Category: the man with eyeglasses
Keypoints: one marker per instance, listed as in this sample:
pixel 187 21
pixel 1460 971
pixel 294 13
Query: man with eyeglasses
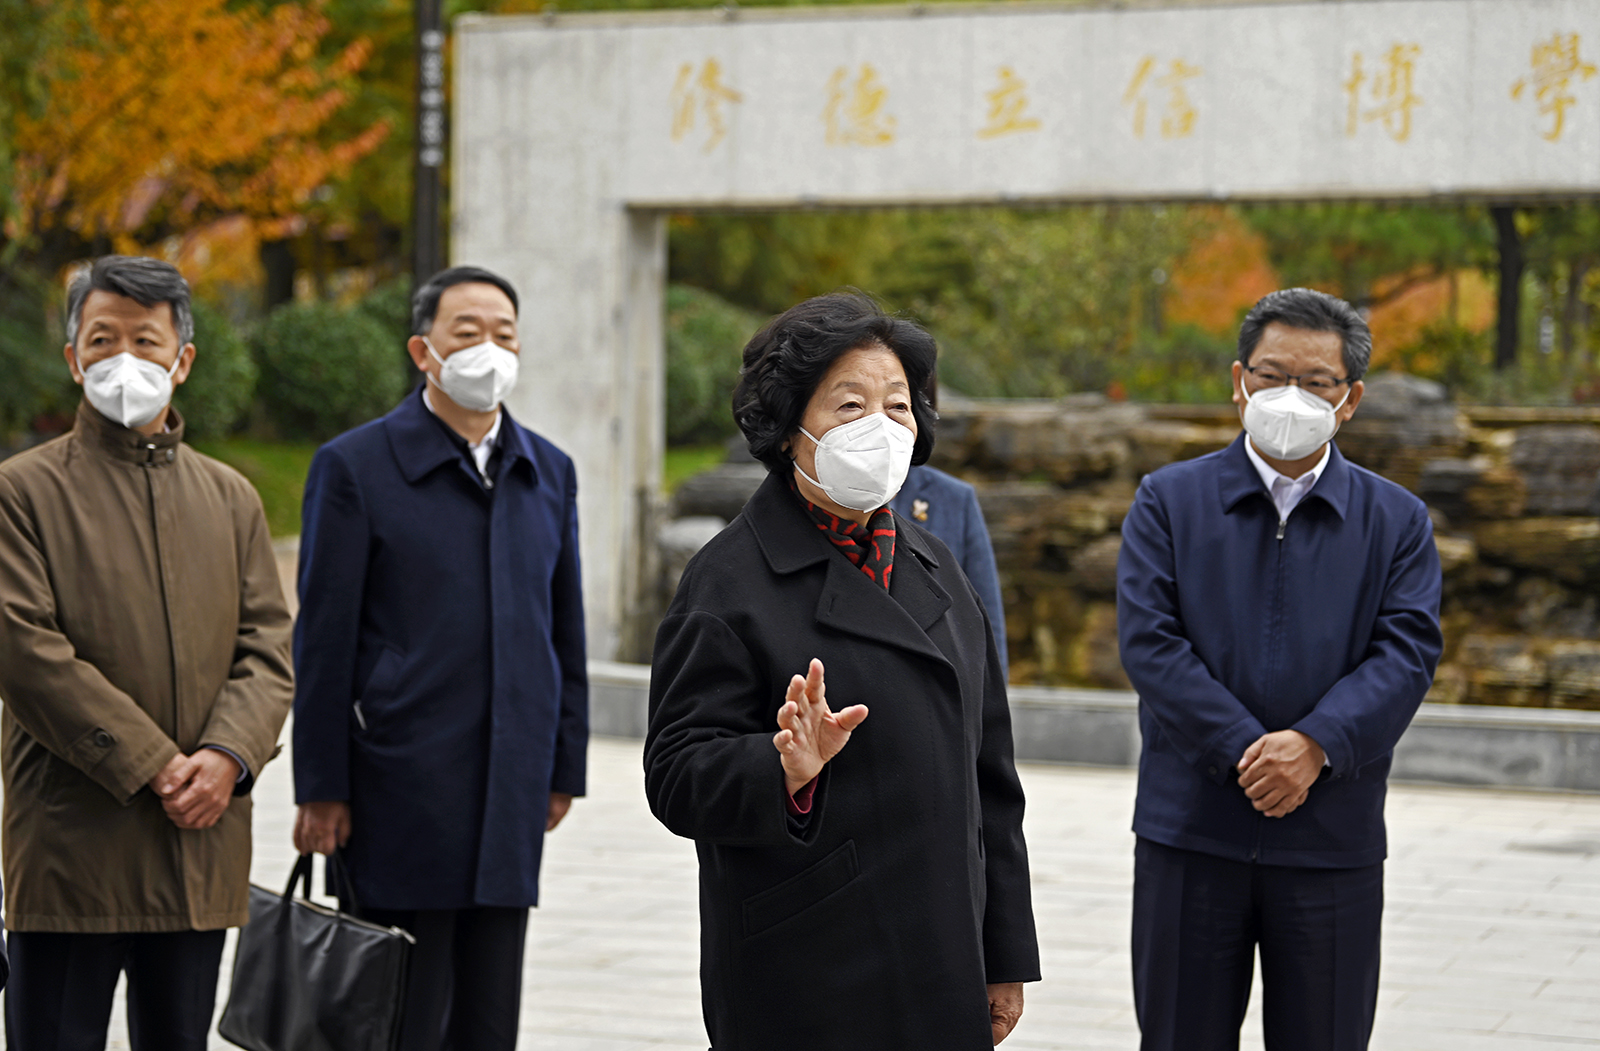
pixel 1278 609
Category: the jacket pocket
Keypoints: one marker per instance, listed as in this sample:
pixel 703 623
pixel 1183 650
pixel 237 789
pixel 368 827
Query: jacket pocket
pixel 380 686
pixel 802 890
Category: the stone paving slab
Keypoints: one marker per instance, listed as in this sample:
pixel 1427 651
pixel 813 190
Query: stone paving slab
pixel 1492 931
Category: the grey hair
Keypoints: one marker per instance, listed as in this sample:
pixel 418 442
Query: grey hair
pixel 1306 308
pixel 144 280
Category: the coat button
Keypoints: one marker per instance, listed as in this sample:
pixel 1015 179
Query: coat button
pixel 1212 771
pixel 103 739
pixel 172 454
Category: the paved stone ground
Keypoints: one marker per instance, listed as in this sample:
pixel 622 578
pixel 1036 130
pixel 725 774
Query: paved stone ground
pixel 1492 932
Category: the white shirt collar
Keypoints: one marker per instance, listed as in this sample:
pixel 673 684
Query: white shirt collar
pixel 1286 498
pixel 480 450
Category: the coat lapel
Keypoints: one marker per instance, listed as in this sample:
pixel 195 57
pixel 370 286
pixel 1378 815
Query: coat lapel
pixel 849 602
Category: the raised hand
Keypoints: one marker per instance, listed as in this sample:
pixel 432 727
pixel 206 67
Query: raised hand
pixel 809 732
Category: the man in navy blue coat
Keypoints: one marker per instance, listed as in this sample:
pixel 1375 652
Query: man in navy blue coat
pixel 1278 609
pixel 441 698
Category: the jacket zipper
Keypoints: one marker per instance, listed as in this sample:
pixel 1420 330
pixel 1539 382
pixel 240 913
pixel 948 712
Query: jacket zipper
pixel 1281 523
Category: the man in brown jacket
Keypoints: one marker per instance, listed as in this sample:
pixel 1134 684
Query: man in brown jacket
pixel 144 672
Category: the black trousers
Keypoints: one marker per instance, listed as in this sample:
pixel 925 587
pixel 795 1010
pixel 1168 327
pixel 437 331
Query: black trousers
pixel 464 990
pixel 1198 921
pixel 59 997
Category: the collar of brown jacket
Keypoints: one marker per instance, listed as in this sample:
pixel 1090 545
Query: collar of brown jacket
pixel 110 438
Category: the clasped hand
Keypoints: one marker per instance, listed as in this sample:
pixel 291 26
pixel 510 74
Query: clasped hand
pixel 1278 770
pixel 195 789
pixel 810 733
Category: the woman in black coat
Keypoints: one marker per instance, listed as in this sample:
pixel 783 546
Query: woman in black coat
pixel 863 876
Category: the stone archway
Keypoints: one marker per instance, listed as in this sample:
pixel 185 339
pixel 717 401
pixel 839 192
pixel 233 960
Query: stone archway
pixel 574 136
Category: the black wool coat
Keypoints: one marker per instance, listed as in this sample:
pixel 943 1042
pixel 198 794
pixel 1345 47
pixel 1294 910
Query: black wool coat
pixel 876 921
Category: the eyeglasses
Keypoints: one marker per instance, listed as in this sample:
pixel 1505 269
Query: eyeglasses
pixel 1316 383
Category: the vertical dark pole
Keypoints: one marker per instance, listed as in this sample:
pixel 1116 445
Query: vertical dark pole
pixel 1509 243
pixel 427 254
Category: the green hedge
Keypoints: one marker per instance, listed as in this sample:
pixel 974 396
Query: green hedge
pixel 325 369
pixel 34 380
pixel 705 335
pixel 222 382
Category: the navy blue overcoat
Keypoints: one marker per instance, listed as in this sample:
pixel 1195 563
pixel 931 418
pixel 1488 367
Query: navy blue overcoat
pixel 1234 623
pixel 951 512
pixel 440 683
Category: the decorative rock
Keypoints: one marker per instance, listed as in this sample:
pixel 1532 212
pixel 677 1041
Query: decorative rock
pixel 720 492
pixel 1546 608
pixel 1095 658
pixel 1156 443
pixel 1403 423
pixel 1566 548
pixel 1455 552
pixel 679 540
pixel 1503 669
pixel 1561 463
pixel 1574 670
pixel 1475 488
pixel 1042 439
pixel 1095 566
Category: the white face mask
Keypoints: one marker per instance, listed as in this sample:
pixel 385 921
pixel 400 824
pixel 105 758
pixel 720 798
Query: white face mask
pixel 863 463
pixel 477 377
pixel 1287 423
pixel 127 388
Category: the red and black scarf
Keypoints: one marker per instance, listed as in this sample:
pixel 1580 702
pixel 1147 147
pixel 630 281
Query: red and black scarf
pixel 869 547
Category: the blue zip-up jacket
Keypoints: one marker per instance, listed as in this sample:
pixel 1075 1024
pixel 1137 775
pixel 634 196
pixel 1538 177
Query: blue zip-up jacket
pixel 1234 624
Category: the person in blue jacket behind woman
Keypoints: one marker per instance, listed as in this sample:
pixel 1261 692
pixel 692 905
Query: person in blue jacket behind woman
pixel 948 508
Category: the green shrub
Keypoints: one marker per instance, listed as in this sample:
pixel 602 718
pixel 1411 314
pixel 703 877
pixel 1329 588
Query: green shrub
pixel 705 335
pixel 325 369
pixel 222 382
pixel 390 306
pixel 34 380
pixel 1185 364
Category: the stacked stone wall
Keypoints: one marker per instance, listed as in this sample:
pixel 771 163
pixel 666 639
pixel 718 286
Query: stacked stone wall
pixel 1512 492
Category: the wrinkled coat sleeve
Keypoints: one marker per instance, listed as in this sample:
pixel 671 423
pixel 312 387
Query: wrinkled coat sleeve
pixel 250 709
pixel 334 536
pixel 1362 717
pixel 569 770
pixel 1010 940
pixel 711 771
pixel 64 702
pixel 1205 722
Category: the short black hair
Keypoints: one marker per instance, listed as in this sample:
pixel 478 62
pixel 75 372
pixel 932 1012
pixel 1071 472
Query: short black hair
pixel 425 300
pixel 786 360
pixel 144 280
pixel 1306 308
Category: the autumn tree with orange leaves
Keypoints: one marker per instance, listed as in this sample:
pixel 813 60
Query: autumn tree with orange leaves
pixel 160 116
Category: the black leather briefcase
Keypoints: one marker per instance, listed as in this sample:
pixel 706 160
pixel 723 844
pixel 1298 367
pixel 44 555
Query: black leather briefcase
pixel 310 978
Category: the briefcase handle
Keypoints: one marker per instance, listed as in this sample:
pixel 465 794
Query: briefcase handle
pixel 334 875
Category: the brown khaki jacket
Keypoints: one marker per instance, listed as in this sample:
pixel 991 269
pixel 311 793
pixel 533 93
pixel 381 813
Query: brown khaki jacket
pixel 140 614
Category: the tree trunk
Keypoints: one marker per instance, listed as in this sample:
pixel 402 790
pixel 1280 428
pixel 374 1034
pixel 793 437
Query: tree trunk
pixel 1509 243
pixel 277 259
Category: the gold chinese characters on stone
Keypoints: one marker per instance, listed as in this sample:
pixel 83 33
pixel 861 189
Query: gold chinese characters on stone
pixel 1390 87
pixel 1008 107
pixel 854 114
pixel 1556 63
pixel 703 95
pixel 1179 113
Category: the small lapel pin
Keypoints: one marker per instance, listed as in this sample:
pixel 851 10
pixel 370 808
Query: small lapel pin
pixel 919 510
